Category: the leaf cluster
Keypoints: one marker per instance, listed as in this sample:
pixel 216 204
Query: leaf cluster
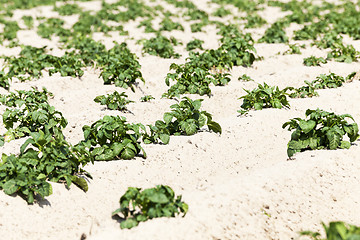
pixel 68 9
pixel 264 96
pixel 113 138
pixel 294 49
pixel 313 61
pixel 275 34
pixel 194 44
pixel 197 73
pixel 120 66
pixel 254 21
pixel 43 157
pixel 302 92
pixel 161 46
pixel 185 118
pixel 335 231
pixel 169 25
pixel 30 112
pixel 52 26
pixel 146 98
pixel 114 101
pixel 323 130
pixel 139 206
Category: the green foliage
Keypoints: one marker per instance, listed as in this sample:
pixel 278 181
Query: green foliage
pixel 294 49
pixel 147 23
pixel 185 118
pixel 139 206
pixel 254 21
pixel 323 130
pixel 10 30
pixel 52 26
pixel 113 138
pixel 328 81
pixel 146 98
pixel 31 117
pixel 302 92
pixel 264 96
pixel 4 80
pixel 311 31
pixel 189 79
pixel 29 112
pixel 161 46
pixel 68 9
pixel 21 97
pixel 121 67
pixel 197 27
pixel 335 231
pixel 242 5
pixel 197 73
pixel 245 78
pixel 321 82
pixel 238 49
pixel 329 40
pixel 168 25
pixel 221 12
pixel 196 14
pixel 275 34
pixel 342 53
pixel 194 44
pixel 114 101
pixel 28 21
pixel 43 157
pixel 314 61
pixel 33 60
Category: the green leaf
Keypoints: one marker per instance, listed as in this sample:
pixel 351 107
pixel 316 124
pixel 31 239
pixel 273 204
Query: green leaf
pixel 214 126
pixel 80 182
pixel 10 187
pixel 190 128
pixel 307 126
pixel 165 138
pixel 334 139
pixel 158 198
pixel 127 154
pixel 129 223
pixel 345 145
pixel 168 117
pixel 258 106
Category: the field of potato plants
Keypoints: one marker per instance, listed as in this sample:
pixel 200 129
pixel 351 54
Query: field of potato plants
pixel 180 119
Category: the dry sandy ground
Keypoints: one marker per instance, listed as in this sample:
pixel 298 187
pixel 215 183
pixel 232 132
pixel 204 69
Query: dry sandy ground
pixel 238 185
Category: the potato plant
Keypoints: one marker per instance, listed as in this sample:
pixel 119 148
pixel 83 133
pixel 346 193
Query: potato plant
pixel 308 90
pixel 43 157
pixel 27 117
pixel 161 46
pixel 185 118
pixel 264 96
pixel 323 130
pixel 113 138
pixel 114 101
pixel 121 67
pixel 313 61
pixel 138 205
pixel 146 98
pixel 194 44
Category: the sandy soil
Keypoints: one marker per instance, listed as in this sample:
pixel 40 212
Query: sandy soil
pixel 239 185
